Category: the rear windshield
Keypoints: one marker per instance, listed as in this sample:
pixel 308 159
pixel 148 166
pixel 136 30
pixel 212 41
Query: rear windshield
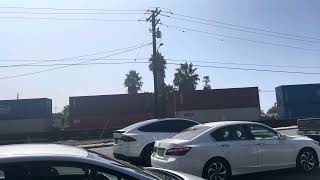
pixel 191 133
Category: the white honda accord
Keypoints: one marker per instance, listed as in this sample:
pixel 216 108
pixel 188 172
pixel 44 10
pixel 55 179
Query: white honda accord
pixel 217 150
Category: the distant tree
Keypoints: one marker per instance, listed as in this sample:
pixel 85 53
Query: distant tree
pixel 262 111
pixel 206 81
pixel 133 82
pixel 65 115
pixel 186 78
pixel 273 109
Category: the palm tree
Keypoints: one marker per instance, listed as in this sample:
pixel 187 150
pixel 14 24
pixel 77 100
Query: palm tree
pixel 133 82
pixel 161 64
pixel 206 81
pixel 185 77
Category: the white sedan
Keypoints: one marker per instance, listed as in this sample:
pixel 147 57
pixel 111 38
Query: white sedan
pixel 217 150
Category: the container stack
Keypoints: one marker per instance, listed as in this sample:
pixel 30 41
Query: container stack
pixel 298 101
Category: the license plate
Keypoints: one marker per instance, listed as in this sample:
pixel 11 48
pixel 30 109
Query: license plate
pixel 160 152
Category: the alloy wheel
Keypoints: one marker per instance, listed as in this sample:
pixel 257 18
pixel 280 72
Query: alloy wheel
pixel 217 171
pixel 307 161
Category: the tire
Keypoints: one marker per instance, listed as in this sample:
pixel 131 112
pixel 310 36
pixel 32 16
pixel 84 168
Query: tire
pixel 146 155
pixel 307 160
pixel 217 169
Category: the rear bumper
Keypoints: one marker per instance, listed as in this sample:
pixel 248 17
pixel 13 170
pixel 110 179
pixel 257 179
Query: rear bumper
pixel 179 164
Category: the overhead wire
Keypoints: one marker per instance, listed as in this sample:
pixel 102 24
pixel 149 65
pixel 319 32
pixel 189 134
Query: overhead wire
pixel 69 9
pixel 252 69
pixel 72 58
pixel 237 29
pixel 244 64
pixel 82 62
pixel 238 38
pixel 71 13
pixel 241 26
pixel 70 19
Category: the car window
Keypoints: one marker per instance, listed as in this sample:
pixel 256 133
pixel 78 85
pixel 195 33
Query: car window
pixel 57 171
pixel 191 132
pixel 231 133
pixel 173 126
pixel 261 132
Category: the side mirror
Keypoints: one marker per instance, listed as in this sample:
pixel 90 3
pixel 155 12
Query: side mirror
pixel 282 137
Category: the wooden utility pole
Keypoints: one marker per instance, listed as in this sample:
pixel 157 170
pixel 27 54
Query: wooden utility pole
pixel 154 21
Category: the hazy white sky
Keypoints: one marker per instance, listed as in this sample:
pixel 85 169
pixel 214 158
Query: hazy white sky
pixel 51 39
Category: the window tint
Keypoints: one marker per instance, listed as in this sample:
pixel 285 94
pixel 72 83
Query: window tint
pixel 261 132
pixel 48 171
pixel 168 126
pixel 230 133
pixel 191 133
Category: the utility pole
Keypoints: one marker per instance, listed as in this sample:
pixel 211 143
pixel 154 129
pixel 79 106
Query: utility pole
pixel 154 21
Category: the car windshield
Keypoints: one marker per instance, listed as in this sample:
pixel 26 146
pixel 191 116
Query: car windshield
pixel 191 133
pixel 127 166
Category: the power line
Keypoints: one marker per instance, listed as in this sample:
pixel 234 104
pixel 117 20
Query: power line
pixel 69 9
pixel 247 31
pixel 71 13
pixel 73 64
pixel 252 69
pixel 239 38
pixel 246 64
pixel 48 60
pixel 83 62
pixel 247 27
pixel 70 19
pixel 72 58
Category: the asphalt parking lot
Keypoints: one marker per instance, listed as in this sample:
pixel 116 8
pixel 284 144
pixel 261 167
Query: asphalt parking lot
pixel 288 174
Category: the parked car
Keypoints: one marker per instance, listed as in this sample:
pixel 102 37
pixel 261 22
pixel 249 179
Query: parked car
pixel 218 150
pixel 309 127
pixel 135 143
pixel 55 162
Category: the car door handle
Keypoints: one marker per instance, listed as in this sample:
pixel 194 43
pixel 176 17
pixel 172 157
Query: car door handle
pixel 225 145
pixel 260 144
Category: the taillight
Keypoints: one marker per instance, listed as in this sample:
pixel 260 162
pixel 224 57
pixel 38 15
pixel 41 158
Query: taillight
pixel 127 138
pixel 178 151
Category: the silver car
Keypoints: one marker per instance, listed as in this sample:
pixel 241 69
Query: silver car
pixel 51 161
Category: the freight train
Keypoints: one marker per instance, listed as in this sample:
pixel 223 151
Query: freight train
pixel 104 113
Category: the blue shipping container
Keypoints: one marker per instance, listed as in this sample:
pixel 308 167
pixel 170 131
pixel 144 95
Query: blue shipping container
pixel 298 94
pixel 25 109
pixel 299 111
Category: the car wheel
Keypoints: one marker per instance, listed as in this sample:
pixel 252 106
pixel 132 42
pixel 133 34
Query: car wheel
pixel 307 160
pixel 217 169
pixel 146 155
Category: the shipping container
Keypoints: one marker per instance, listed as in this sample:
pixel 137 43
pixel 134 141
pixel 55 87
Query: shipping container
pixel 218 99
pixel 299 111
pixel 298 94
pixel 212 115
pixel 241 104
pixel 25 126
pixel 25 109
pixel 109 122
pixel 104 105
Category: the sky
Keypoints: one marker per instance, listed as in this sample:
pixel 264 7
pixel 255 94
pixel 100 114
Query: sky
pixel 34 39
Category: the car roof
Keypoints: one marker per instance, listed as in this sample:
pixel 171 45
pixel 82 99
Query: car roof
pixel 143 123
pixel 41 150
pixel 224 123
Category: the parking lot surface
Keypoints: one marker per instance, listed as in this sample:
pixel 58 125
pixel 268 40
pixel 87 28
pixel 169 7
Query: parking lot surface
pixel 288 174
